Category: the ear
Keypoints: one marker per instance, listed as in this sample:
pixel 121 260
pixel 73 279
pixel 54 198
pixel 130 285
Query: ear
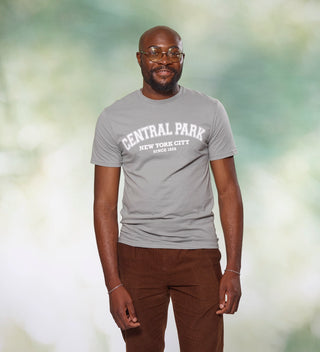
pixel 138 55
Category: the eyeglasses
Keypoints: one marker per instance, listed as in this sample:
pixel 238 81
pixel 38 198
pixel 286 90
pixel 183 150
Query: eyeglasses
pixel 155 54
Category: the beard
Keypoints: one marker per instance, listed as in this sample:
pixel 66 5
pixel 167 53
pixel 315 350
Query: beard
pixel 162 88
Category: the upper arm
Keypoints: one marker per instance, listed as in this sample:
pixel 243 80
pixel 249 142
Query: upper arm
pixel 106 185
pixel 224 173
pixel 221 143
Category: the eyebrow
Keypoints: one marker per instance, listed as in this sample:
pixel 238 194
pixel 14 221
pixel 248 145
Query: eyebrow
pixel 156 46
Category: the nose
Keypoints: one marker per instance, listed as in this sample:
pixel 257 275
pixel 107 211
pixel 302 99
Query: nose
pixel 164 58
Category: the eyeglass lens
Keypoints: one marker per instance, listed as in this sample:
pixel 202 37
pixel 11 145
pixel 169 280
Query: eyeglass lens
pixel 155 54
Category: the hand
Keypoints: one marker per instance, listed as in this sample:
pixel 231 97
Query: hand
pixel 229 292
pixel 122 310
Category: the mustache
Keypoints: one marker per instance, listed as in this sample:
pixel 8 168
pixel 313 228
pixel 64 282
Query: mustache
pixel 164 67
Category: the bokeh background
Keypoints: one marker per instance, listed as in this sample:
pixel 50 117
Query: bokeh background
pixel 61 63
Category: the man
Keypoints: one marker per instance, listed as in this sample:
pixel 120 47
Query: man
pixel 164 137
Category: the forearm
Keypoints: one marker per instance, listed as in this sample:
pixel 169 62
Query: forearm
pixel 106 229
pixel 231 215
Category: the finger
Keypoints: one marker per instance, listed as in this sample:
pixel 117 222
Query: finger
pixel 222 297
pixel 131 325
pixel 233 308
pixel 235 305
pixel 230 302
pixel 132 312
pixel 123 319
pixel 222 307
pixel 115 318
pixel 118 321
pixel 126 320
pixel 221 311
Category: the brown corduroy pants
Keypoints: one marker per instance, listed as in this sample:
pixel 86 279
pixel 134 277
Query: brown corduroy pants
pixel 190 277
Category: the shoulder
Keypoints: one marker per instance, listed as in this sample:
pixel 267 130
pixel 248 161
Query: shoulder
pixel 119 106
pixel 196 97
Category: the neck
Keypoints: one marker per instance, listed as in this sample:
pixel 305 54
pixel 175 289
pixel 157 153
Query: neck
pixel 152 94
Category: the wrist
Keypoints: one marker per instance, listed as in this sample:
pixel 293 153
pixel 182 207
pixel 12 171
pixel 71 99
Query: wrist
pixel 114 288
pixel 232 271
pixel 111 281
pixel 112 284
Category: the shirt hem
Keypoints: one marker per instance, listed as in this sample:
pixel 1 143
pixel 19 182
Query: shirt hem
pixel 222 156
pixel 99 163
pixel 167 245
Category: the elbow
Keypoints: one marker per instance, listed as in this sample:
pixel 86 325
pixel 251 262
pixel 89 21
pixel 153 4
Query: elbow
pixel 104 209
pixel 231 191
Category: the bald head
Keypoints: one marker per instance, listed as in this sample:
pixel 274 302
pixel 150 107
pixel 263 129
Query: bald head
pixel 158 32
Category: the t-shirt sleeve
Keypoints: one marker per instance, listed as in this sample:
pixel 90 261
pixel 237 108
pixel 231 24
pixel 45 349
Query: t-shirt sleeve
pixel 221 143
pixel 105 150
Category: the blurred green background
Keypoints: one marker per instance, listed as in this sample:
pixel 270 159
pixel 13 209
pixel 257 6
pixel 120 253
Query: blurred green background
pixel 61 63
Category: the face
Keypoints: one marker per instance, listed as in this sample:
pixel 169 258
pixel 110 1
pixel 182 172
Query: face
pixel 161 76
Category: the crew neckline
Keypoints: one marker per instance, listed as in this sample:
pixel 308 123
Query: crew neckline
pixel 161 101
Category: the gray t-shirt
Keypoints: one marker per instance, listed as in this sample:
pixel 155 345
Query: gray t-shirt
pixel 164 148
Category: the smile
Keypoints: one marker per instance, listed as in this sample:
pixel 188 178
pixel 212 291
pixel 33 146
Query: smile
pixel 163 72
